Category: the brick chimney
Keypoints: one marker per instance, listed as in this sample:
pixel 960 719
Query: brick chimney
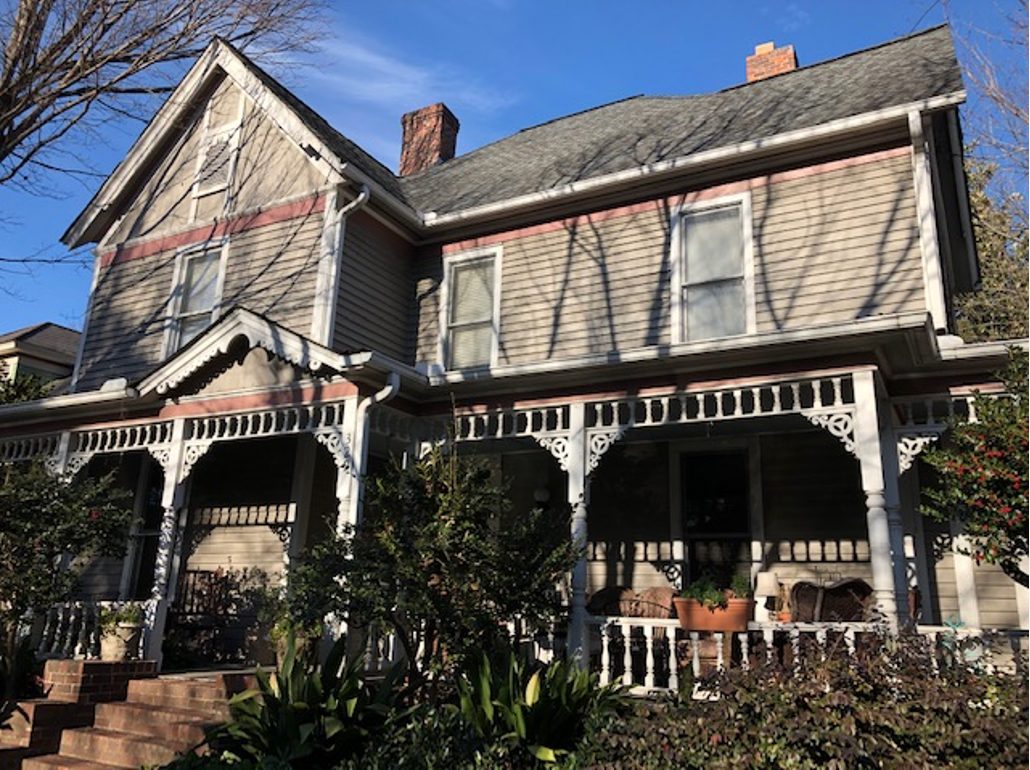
pixel 770 60
pixel 430 136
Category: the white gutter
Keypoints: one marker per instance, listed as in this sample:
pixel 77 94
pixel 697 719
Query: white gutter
pixel 69 401
pixel 432 220
pixel 982 350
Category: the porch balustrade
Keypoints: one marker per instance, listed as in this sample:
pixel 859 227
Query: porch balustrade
pixel 649 654
pixel 70 630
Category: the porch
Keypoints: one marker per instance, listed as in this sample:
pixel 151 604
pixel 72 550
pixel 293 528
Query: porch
pixel 813 468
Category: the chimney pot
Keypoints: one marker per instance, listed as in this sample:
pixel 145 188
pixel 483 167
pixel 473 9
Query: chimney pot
pixel 768 60
pixel 430 136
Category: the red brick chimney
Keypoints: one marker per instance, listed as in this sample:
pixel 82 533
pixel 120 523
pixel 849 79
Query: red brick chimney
pixel 430 136
pixel 770 60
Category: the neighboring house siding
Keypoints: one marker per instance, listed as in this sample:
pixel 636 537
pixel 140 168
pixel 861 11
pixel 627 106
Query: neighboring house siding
pixel 375 290
pixel 837 246
pixel 600 283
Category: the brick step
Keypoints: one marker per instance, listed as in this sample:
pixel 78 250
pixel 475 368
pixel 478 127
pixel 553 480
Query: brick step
pixel 55 762
pixel 119 749
pixel 159 721
pixel 203 695
pixel 40 724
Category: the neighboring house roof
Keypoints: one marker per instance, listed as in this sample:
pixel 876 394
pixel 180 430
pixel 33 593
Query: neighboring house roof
pixel 646 129
pixel 43 337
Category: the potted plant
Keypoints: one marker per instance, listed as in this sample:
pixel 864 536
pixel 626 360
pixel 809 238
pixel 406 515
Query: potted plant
pixel 705 606
pixel 121 628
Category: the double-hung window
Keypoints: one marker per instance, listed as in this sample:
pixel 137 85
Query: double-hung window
pixel 712 278
pixel 469 318
pixel 198 292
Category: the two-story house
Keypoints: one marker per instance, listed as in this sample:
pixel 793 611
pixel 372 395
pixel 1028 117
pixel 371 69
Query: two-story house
pixel 719 327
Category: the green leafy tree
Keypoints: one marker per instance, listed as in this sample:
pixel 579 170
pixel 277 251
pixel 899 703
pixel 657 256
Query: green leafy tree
pixel 440 560
pixel 998 309
pixel 42 519
pixel 24 388
pixel 982 474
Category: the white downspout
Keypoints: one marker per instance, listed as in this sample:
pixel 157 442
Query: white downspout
pixel 390 391
pixel 330 289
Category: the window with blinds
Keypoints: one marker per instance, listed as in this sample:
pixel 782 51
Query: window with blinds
pixel 713 291
pixel 198 294
pixel 471 326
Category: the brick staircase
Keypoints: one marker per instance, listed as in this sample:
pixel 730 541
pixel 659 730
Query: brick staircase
pixel 37 729
pixel 158 719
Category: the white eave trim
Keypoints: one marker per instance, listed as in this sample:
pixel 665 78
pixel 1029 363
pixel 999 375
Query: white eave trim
pixel 986 350
pixel 801 136
pixel 69 401
pixel 741 345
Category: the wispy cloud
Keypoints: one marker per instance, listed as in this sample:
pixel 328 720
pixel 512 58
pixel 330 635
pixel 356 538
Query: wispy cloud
pixel 362 71
pixel 793 18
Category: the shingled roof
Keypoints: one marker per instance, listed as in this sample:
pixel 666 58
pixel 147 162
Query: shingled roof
pixel 648 129
pixel 47 335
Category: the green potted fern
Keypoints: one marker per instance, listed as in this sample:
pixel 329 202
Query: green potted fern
pixel 706 606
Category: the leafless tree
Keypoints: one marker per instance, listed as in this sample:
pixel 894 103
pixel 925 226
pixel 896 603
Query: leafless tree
pixel 70 67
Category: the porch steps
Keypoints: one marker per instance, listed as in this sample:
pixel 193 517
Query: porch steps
pixel 37 729
pixel 159 719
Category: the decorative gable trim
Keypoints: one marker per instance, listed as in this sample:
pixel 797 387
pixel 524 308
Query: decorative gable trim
pixel 259 332
pixel 217 58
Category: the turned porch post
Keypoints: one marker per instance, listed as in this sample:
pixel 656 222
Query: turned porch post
pixel 172 500
pixel 895 525
pixel 578 498
pixel 875 480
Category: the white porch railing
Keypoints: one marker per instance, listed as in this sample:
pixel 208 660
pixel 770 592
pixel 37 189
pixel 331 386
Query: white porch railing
pixel 649 654
pixel 70 630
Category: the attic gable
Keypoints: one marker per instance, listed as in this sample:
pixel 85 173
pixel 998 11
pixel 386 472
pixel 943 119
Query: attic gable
pixel 159 169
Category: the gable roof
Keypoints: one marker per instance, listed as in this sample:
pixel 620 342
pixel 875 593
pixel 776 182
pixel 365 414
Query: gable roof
pixel 46 336
pixel 645 133
pixel 644 130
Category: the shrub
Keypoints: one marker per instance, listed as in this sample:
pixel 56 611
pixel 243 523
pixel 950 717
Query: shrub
pixel 884 709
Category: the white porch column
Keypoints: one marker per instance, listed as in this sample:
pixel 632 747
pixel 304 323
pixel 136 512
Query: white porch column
pixel 578 498
pixel 895 524
pixel 340 443
pixel 965 577
pixel 172 499
pixel 869 450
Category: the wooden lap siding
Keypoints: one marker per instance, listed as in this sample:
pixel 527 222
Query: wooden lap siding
pixel 375 290
pixel 837 246
pixel 833 246
pixel 270 270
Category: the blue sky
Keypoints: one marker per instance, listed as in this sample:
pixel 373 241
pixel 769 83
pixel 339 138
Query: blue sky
pixel 500 65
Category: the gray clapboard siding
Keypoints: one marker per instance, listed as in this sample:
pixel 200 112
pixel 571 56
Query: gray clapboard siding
pixel 814 510
pixel 376 292
pixel 127 320
pixel 947 587
pixel 272 270
pixel 863 218
pixel 604 286
pixel 996 597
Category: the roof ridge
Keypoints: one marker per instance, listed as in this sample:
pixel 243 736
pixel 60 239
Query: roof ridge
pixel 527 129
pixel 842 56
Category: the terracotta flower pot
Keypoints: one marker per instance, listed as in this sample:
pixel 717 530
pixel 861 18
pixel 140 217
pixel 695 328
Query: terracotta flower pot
pixel 694 616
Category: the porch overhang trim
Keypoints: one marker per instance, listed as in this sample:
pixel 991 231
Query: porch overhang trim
pixel 850 335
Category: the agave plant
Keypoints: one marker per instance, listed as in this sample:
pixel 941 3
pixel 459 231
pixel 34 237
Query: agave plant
pixel 302 716
pixel 544 710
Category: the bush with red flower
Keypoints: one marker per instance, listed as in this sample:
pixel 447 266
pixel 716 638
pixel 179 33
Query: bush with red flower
pixel 982 474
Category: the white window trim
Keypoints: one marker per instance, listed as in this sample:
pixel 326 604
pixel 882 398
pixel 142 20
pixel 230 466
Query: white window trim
pixel 232 129
pixel 751 447
pixel 170 344
pixel 442 344
pixel 678 262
